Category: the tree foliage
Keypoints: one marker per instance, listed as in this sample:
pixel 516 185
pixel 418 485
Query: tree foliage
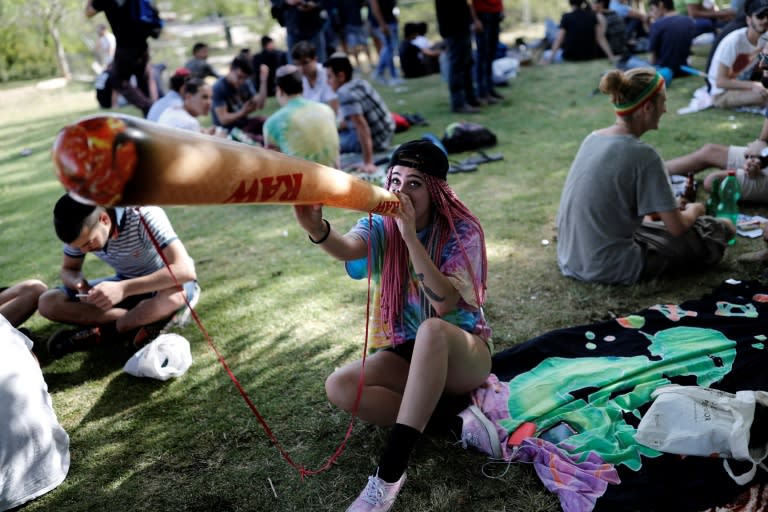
pixel 43 38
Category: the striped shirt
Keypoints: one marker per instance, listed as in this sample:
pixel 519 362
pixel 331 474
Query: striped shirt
pixel 358 97
pixel 132 254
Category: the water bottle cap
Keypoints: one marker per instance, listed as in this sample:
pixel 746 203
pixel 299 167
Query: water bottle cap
pixel 731 172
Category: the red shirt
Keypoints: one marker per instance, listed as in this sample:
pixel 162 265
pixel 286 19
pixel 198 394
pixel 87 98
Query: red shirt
pixel 488 6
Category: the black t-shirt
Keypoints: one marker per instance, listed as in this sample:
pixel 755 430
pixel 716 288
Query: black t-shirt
pixel 410 60
pixel 305 24
pixel 579 43
pixel 453 17
pixel 118 13
pixel 273 59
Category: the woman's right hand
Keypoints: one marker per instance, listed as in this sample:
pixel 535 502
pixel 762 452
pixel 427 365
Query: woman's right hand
pixel 310 217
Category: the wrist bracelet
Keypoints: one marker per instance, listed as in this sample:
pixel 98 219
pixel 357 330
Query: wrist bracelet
pixel 325 237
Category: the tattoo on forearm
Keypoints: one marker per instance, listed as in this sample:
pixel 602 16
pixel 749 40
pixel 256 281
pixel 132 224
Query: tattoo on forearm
pixel 431 294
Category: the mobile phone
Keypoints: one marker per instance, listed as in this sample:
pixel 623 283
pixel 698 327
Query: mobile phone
pixel 558 432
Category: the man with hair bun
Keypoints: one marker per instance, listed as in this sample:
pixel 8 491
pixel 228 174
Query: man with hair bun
pixel 617 185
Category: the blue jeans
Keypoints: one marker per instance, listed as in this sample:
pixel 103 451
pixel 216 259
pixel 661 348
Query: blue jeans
pixel 389 48
pixel 487 41
pixel 462 90
pixel 349 142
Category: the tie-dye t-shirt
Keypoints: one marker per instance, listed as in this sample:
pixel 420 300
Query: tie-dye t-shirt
pixel 304 129
pixel 451 263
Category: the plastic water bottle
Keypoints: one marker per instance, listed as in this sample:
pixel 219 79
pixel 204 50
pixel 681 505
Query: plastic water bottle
pixel 730 192
pixel 714 198
pixel 690 189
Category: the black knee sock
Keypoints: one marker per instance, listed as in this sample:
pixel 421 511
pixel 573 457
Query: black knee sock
pixel 394 460
pixel 455 425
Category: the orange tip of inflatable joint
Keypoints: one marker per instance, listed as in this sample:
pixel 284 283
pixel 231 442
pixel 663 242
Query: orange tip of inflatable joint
pixel 524 431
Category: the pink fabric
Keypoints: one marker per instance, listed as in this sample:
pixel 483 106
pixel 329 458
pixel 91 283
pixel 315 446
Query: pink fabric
pixel 578 484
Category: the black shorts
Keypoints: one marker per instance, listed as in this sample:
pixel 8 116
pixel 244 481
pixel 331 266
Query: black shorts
pixel 404 350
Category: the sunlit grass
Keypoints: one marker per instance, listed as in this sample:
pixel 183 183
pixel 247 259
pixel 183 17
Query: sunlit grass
pixel 283 314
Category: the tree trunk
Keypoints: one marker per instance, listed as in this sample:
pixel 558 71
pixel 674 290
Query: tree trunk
pixel 526 12
pixel 61 55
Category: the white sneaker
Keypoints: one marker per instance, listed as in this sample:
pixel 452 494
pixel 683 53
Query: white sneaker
pixel 378 495
pixel 479 432
pixel 184 313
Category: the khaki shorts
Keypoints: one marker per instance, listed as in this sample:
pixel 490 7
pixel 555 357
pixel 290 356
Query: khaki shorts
pixel 701 246
pixel 752 189
pixel 733 98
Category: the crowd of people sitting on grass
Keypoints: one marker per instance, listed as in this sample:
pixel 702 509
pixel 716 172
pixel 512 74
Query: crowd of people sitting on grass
pixel 618 221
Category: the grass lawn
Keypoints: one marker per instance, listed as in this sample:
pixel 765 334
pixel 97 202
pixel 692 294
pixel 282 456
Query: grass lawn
pixel 283 314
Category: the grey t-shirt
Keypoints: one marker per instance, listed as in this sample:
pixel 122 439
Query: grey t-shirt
pixel 34 448
pixel 614 181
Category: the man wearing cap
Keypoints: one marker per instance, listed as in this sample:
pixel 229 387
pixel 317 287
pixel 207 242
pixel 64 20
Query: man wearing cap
pixel 429 266
pixel 746 160
pixel 302 128
pixel 367 124
pixel 735 58
pixel 135 303
pixel 172 97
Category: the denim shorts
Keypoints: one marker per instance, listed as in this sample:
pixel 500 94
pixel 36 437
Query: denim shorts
pixel 129 302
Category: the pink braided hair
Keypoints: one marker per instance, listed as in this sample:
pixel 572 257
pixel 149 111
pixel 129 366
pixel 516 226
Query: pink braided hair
pixel 447 209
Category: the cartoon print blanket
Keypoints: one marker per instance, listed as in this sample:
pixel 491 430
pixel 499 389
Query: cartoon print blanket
pixel 586 388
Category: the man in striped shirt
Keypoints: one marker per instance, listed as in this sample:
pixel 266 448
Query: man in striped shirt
pixel 142 295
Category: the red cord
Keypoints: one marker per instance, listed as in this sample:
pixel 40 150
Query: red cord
pixel 361 381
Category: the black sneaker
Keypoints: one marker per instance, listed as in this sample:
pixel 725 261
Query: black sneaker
pixel 66 341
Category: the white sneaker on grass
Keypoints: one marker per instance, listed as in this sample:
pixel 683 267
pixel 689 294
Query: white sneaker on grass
pixel 378 495
pixel 479 432
pixel 184 313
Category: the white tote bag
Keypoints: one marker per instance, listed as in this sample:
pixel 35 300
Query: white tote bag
pixel 692 420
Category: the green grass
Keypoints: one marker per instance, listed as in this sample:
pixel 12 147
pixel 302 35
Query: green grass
pixel 283 314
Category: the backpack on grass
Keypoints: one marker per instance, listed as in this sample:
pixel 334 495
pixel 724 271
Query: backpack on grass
pixel 465 136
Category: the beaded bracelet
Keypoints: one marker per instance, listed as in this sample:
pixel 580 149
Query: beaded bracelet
pixel 318 242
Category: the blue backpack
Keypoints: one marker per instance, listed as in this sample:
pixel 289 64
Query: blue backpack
pixel 146 17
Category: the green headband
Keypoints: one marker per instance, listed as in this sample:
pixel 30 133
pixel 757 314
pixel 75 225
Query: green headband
pixel 624 109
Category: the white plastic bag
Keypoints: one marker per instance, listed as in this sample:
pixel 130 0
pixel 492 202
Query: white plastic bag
pixel 166 356
pixel 692 420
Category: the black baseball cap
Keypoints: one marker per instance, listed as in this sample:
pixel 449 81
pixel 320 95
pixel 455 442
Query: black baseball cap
pixel 69 216
pixel 423 156
pixel 756 7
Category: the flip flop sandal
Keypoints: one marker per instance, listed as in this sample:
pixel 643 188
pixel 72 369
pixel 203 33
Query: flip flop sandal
pixel 482 157
pixel 457 167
